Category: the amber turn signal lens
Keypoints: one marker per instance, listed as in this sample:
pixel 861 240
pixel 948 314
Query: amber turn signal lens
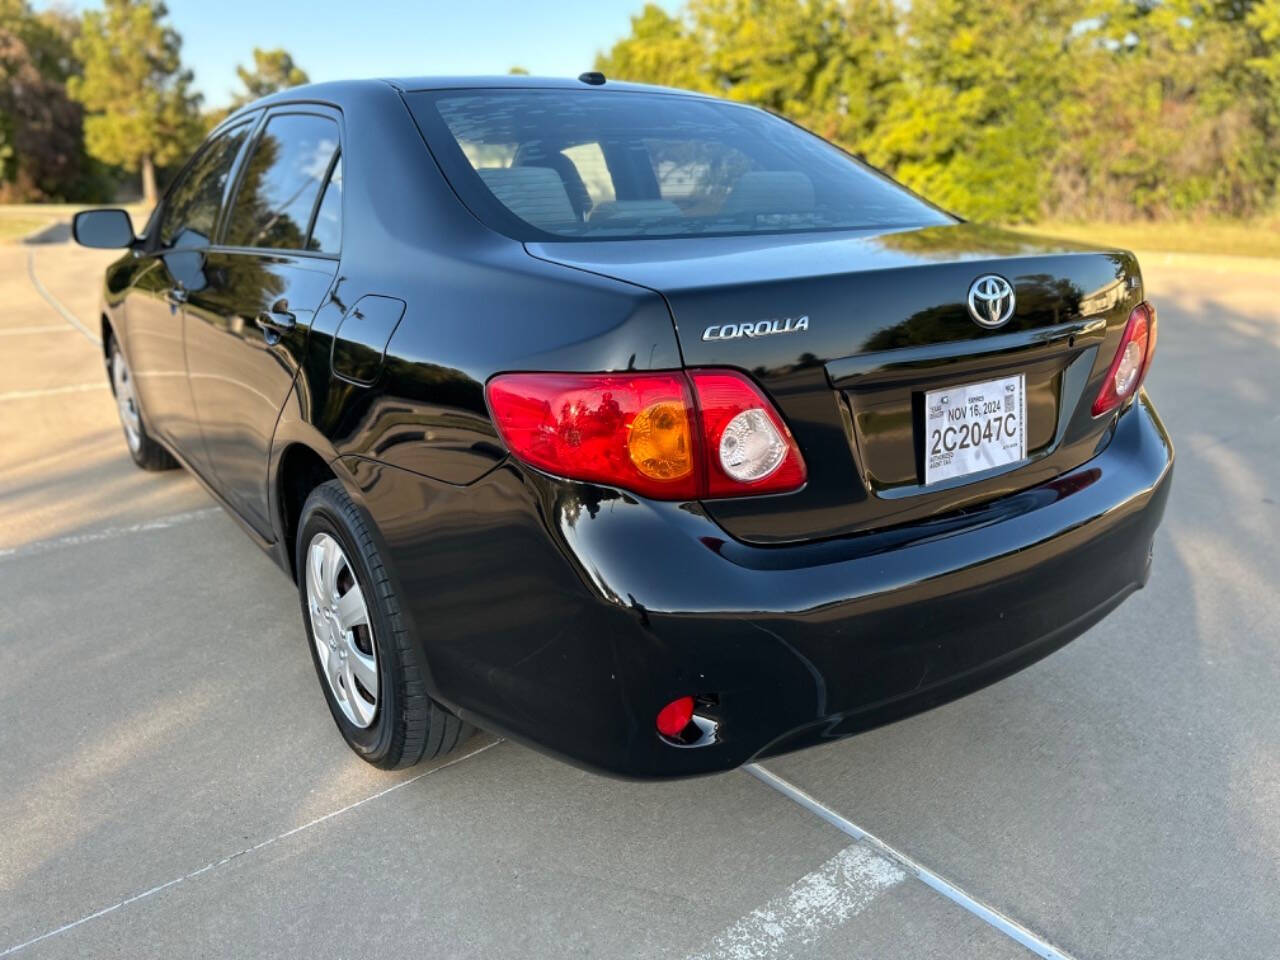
pixel 660 443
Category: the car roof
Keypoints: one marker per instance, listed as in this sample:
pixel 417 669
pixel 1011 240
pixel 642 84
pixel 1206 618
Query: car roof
pixel 338 91
pixel 518 81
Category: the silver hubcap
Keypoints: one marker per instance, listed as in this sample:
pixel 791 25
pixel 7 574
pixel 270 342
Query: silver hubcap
pixel 341 630
pixel 126 400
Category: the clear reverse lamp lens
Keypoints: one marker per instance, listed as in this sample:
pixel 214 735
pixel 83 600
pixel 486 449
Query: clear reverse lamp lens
pixel 1127 372
pixel 751 447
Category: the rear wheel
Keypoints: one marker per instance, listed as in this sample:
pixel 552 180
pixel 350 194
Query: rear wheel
pixel 370 670
pixel 146 453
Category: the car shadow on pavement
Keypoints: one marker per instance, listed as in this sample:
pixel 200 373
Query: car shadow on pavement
pixel 59 232
pixel 91 485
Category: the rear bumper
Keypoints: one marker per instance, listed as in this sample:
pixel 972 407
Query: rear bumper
pixel 575 613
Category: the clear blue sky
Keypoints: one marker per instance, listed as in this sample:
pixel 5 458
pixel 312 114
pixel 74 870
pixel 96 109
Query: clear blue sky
pixel 335 39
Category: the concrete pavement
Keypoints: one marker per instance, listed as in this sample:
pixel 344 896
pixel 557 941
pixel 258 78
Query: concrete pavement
pixel 173 785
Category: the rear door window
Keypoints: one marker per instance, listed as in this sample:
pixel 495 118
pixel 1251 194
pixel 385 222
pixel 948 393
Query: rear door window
pixel 326 231
pixel 191 207
pixel 570 164
pixel 282 182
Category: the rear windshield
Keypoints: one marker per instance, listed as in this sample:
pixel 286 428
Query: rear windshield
pixel 563 164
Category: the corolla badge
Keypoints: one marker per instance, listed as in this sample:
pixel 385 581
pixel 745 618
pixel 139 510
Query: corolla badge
pixel 991 300
pixel 761 328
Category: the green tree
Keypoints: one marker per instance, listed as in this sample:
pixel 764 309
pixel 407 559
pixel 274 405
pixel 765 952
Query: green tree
pixel 660 49
pixel 41 143
pixel 1262 24
pixel 828 64
pixel 974 121
pixel 872 50
pixel 1164 116
pixel 801 60
pixel 1003 110
pixel 140 111
pixel 273 71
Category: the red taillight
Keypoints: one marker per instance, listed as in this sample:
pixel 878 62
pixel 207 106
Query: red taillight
pixel 1132 360
pixel 627 430
pixel 675 716
pixel 668 435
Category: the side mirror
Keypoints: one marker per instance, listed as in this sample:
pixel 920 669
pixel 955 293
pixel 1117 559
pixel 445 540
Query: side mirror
pixel 104 229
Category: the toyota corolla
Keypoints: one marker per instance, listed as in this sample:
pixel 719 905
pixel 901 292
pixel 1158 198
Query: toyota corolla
pixel 645 428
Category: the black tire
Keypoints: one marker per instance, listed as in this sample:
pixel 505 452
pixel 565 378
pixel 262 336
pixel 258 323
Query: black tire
pixel 408 726
pixel 146 453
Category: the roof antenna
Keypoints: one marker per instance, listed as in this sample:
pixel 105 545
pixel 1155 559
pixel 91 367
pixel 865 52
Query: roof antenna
pixel 593 77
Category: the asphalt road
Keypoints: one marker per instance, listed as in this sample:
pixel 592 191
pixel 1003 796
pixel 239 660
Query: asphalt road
pixel 172 784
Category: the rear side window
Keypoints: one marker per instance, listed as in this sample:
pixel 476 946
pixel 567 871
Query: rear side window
pixel 282 181
pixel 191 207
pixel 567 164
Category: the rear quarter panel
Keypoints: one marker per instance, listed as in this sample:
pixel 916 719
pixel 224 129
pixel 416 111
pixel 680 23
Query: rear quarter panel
pixel 476 304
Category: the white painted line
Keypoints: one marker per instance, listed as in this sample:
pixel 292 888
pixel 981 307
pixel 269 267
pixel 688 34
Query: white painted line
pixel 240 853
pixel 989 914
pixel 109 533
pixel 52 391
pixel 28 331
pixel 811 907
pixel 54 302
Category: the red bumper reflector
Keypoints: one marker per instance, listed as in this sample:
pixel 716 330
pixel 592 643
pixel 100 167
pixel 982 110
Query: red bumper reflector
pixel 675 716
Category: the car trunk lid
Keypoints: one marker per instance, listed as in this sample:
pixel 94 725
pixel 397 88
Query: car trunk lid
pixel 850 332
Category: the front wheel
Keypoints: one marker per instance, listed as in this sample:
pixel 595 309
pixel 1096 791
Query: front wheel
pixel 146 453
pixel 370 670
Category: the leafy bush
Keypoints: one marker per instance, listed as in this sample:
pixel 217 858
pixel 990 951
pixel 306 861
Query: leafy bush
pixel 1004 110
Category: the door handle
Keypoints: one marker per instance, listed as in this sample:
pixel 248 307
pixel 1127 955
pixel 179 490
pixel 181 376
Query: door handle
pixel 175 296
pixel 278 320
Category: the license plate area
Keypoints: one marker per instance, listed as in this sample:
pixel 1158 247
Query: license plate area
pixel 974 427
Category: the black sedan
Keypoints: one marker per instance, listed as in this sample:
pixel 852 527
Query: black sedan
pixel 645 428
